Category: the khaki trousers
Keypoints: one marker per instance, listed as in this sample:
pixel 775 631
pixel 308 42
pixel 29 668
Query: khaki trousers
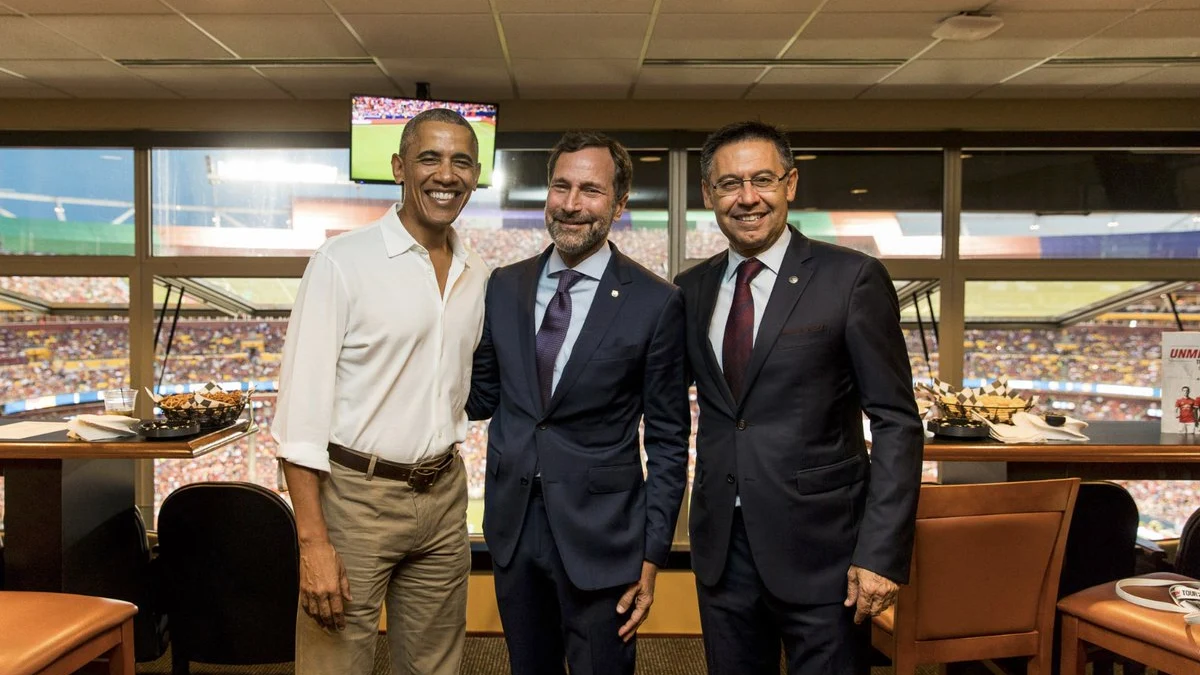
pixel 407 549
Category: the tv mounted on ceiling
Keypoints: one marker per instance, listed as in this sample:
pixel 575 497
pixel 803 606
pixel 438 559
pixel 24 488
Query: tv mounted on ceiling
pixel 376 123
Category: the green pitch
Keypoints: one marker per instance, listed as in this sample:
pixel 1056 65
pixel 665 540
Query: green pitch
pixel 372 147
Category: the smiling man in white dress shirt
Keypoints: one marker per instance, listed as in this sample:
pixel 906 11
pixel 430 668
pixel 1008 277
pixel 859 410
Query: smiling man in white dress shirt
pixel 376 371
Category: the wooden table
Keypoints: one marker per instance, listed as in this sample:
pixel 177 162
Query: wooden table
pixel 1117 450
pixel 64 501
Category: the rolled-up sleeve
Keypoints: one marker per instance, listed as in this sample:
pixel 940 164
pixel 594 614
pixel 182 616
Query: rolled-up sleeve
pixel 308 374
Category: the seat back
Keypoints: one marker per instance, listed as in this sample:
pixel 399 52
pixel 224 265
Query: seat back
pixel 230 570
pixel 986 560
pixel 1102 543
pixel 1187 558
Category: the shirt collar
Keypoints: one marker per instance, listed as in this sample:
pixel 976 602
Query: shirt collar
pixel 771 258
pixel 397 240
pixel 593 266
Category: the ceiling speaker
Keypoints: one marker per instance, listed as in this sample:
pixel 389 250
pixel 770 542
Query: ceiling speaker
pixel 968 27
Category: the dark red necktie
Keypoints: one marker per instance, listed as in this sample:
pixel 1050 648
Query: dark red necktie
pixel 739 329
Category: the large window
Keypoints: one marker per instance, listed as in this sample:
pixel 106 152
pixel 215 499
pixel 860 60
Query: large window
pixel 887 204
pixel 1109 204
pixel 66 201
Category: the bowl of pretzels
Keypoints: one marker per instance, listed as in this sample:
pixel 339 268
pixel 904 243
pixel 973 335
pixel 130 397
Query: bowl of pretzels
pixel 211 407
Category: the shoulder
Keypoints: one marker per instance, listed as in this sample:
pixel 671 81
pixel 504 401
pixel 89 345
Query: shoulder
pixel 348 247
pixel 691 276
pixel 840 255
pixel 649 284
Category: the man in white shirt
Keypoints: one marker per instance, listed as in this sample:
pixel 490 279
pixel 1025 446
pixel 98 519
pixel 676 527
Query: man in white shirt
pixel 376 371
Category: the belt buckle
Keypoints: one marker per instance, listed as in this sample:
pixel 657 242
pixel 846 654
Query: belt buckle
pixel 421 479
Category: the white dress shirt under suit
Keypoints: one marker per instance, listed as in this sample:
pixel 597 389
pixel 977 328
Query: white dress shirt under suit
pixel 376 359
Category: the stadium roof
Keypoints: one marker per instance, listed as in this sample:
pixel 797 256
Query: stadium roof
pixel 640 49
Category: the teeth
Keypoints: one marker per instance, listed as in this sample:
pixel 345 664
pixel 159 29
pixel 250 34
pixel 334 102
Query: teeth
pixel 444 196
pixel 749 218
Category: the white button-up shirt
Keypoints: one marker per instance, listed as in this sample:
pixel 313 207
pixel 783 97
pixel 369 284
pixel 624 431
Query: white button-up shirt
pixel 376 358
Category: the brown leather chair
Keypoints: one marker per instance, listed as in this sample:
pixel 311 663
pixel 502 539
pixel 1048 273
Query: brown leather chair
pixel 1155 638
pixel 984 578
pixel 59 633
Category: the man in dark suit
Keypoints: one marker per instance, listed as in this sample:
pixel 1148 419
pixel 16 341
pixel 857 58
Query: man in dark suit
pixel 796 533
pixel 579 345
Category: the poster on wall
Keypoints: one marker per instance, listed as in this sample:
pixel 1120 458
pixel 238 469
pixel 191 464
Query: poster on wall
pixel 1181 383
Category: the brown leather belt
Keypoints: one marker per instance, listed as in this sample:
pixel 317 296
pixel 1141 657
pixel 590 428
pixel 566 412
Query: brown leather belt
pixel 420 476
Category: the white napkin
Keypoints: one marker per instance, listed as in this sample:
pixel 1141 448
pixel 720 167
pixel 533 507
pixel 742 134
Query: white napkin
pixel 1027 428
pixel 102 427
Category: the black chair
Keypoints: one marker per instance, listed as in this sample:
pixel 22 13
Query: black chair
pixel 1102 542
pixel 1187 558
pixel 230 574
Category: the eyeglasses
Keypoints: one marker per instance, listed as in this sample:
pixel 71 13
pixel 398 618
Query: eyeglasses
pixel 762 183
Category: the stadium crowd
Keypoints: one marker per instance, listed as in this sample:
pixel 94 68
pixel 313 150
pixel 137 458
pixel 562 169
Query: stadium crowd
pixel 367 108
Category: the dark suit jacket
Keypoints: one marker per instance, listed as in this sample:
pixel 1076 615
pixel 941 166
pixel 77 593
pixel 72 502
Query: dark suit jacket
pixel 828 347
pixel 627 363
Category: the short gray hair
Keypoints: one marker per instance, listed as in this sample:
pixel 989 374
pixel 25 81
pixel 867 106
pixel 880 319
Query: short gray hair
pixel 444 115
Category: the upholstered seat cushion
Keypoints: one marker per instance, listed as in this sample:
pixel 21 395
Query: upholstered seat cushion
pixel 1166 630
pixel 38 628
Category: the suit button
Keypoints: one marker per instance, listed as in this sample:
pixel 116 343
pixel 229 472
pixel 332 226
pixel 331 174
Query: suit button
pixel 730 479
pixel 524 480
pixel 741 425
pixel 542 427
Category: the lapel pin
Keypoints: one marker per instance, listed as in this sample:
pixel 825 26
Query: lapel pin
pixel 792 280
pixel 615 293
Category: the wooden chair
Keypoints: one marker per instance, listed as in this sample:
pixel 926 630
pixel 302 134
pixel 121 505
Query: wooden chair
pixel 59 633
pixel 1155 638
pixel 984 577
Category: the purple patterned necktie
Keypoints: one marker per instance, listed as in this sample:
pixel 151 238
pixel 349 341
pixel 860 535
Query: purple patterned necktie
pixel 553 332
pixel 739 329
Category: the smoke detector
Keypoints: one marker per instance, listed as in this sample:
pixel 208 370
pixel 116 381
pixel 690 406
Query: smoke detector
pixel 967 27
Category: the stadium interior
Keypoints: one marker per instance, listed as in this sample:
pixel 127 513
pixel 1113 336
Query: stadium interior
pixel 167 166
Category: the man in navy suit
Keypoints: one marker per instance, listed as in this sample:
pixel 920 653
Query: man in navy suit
pixel 796 533
pixel 580 344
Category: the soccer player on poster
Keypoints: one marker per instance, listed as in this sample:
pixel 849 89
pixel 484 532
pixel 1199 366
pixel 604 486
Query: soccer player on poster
pixel 1185 412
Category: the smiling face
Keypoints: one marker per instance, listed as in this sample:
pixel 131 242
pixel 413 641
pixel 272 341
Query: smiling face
pixel 582 204
pixel 752 220
pixel 439 171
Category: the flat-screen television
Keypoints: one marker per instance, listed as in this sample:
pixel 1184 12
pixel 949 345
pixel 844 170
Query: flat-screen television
pixel 376 123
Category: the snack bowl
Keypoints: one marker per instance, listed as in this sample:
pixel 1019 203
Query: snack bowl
pixel 221 413
pixel 992 413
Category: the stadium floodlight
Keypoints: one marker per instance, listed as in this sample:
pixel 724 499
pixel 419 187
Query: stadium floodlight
pixel 274 171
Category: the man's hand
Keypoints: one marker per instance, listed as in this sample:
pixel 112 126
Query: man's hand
pixel 639 596
pixel 323 584
pixel 869 591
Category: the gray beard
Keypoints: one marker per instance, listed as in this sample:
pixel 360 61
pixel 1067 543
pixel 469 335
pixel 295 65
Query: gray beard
pixel 572 244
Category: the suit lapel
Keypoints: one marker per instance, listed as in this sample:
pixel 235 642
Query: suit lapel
pixel 526 301
pixel 604 309
pixel 783 299
pixel 710 286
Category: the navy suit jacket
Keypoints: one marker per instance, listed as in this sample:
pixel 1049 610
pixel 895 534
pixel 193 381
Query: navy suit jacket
pixel 828 348
pixel 626 366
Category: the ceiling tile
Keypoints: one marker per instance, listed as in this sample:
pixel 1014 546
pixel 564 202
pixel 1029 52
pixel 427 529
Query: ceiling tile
pixel 332 82
pixel 36 7
pixel 38 93
pixel 883 35
pixel 1002 6
pixel 918 92
pixel 1188 75
pixel 243 7
pixel 1039 91
pixel 454 79
pixel 946 7
pixel 592 7
pixel 213 83
pixel 1081 76
pixel 740 7
pixel 22 38
pixel 825 76
pixel 712 83
pixel 1178 4
pixel 89 79
pixel 714 36
pixel 1036 35
pixel 281 35
pixel 137 36
pixel 390 7
pixel 1169 33
pixel 566 78
pixel 934 72
pixel 575 36
pixel 426 36
pixel 1133 90
pixel 802 92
